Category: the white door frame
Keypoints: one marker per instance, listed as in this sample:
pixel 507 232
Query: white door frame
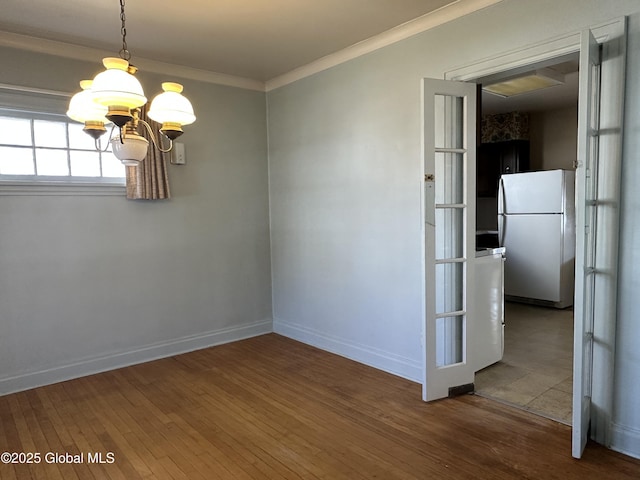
pixel 612 35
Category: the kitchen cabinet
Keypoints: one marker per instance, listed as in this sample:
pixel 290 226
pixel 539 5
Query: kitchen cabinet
pixel 495 159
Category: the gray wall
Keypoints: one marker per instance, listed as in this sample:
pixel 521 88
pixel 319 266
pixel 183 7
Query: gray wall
pixel 92 282
pixel 554 136
pixel 345 165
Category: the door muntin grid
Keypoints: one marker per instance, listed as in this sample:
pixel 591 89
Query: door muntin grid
pixel 450 218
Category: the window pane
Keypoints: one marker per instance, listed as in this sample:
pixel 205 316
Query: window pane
pixel 78 139
pixel 85 164
pixel 15 131
pixel 51 162
pixel 50 134
pixel 16 161
pixel 62 150
pixel 111 166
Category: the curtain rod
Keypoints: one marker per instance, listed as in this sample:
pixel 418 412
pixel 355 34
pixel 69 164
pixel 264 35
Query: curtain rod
pixel 39 91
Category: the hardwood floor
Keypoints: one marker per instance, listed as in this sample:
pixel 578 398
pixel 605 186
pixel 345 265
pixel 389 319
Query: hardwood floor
pixel 271 408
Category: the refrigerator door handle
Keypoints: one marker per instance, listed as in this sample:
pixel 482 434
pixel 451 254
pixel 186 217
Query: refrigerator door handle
pixel 501 197
pixel 501 213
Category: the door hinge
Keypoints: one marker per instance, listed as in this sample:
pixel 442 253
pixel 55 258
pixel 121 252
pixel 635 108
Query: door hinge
pixel 429 177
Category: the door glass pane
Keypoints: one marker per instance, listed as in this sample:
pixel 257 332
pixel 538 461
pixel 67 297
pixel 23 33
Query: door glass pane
pixel 449 178
pixel 85 164
pixel 51 162
pixel 590 236
pixel 50 134
pixel 449 333
pixel 589 310
pixel 449 233
pixel 449 287
pixel 16 161
pixel 449 129
pixel 15 131
pixel 595 96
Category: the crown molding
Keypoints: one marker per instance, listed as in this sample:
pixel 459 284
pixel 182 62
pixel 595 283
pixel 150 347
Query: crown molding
pixel 421 24
pixel 552 48
pixel 77 52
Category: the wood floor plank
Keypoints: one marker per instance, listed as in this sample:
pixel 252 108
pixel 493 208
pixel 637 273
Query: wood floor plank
pixel 265 441
pixel 373 450
pixel 312 427
pixel 272 408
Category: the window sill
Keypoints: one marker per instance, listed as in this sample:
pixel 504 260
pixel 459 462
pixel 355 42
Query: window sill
pixel 31 188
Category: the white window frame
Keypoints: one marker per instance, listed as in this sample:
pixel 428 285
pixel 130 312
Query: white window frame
pixel 36 104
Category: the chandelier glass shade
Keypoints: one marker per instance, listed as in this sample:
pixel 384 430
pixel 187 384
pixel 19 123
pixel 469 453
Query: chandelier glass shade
pixel 171 109
pixel 83 109
pixel 116 86
pixel 115 95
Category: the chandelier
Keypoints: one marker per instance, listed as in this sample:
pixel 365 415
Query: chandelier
pixel 115 96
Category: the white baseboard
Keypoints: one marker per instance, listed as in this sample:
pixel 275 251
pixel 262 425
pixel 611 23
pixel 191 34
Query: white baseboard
pixel 388 362
pixel 90 366
pixel 625 440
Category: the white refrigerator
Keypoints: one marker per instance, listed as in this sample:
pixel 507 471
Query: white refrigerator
pixel 536 225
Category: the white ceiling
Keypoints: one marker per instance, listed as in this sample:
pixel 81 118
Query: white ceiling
pixel 252 39
pixel 256 39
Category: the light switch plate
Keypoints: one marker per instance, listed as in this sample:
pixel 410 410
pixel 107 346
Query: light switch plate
pixel 177 155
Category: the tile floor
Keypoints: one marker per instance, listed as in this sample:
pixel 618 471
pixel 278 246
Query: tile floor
pixel 536 370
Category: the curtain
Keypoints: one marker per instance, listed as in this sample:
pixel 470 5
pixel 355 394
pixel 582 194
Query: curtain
pixel 150 179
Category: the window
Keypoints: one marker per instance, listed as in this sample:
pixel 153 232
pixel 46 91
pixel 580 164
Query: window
pixel 50 148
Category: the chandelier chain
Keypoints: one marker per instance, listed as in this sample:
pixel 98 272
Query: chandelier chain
pixel 124 52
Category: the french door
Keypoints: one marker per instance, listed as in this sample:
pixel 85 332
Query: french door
pixel 449 193
pixel 449 227
pixel 587 197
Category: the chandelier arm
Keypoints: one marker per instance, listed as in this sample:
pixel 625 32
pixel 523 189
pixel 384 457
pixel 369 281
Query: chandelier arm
pixel 97 140
pixel 156 143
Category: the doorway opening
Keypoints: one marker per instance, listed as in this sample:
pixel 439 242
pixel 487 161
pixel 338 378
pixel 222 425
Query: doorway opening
pixel 597 192
pixel 530 132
